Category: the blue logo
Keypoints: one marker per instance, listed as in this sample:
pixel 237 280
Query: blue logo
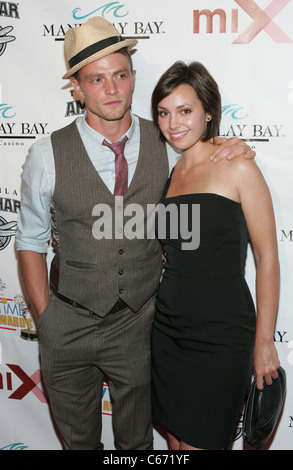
pixel 115 7
pixel 15 446
pixel 237 112
pixel 4 108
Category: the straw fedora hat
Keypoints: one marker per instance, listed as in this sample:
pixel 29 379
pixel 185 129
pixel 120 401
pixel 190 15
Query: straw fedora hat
pixel 93 40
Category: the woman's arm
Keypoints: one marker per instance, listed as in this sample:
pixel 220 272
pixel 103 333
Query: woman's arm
pixel 259 214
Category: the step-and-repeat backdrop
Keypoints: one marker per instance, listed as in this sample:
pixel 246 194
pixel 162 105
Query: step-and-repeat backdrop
pixel 246 44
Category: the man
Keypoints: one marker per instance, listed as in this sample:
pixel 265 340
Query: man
pixel 96 319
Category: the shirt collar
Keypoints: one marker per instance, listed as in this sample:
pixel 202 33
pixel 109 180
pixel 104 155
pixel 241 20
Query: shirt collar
pixel 99 138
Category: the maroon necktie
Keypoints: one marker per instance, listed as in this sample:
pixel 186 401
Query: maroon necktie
pixel 121 167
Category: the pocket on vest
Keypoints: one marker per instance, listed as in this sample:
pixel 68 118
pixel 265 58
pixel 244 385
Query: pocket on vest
pixel 80 265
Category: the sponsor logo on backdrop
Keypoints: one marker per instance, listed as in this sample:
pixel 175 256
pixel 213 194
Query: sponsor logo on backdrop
pixel 116 8
pixel 14 446
pixel 74 107
pixel 110 10
pixel 19 384
pixel 2 286
pixel 236 123
pixel 7 10
pixel 106 400
pixel 5 38
pixel 14 316
pixel 15 133
pixel 11 317
pixel 286 236
pixel 263 21
pixel 7 231
pixel 9 205
pixel 17 381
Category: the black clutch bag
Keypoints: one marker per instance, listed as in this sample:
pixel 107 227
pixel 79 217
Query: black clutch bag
pixel 262 410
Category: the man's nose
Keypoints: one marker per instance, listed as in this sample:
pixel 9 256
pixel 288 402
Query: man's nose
pixel 111 87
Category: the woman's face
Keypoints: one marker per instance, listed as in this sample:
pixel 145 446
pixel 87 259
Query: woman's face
pixel 182 118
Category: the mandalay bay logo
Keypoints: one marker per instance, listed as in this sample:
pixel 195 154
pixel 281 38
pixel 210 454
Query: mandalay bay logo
pixel 177 222
pixel 115 11
pixel 118 10
pixel 236 122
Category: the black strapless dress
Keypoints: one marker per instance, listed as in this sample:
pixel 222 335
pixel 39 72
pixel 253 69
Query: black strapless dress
pixel 204 328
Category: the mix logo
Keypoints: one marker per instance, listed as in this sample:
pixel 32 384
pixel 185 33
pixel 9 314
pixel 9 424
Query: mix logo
pixel 262 21
pixel 29 384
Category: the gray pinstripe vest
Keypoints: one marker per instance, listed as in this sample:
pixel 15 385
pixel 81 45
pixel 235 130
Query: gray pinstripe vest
pixel 97 272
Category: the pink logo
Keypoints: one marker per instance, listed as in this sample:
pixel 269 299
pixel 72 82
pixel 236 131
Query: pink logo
pixel 263 20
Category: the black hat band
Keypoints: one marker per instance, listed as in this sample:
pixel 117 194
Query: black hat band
pixel 92 49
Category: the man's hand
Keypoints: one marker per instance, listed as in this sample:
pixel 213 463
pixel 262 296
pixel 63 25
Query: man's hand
pixel 230 148
pixel 34 274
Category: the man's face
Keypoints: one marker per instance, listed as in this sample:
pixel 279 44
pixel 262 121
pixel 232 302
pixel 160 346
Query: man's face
pixel 106 86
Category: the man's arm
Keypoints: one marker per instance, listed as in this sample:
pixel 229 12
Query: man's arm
pixel 231 148
pixel 34 274
pixel 34 223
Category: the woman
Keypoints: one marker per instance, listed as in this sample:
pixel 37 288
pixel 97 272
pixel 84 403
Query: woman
pixel 206 335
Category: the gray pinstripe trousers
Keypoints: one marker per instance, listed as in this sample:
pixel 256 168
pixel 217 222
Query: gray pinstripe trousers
pixel 77 351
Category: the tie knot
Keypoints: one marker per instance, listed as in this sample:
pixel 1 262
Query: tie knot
pixel 117 147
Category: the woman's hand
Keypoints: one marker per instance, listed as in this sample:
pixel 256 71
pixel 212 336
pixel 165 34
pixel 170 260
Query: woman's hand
pixel 266 363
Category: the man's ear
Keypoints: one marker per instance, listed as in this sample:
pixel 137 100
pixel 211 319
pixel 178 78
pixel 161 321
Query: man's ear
pixel 133 78
pixel 77 88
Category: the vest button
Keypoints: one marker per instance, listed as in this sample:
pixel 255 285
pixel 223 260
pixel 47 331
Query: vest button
pixel 120 252
pixel 121 291
pixel 121 272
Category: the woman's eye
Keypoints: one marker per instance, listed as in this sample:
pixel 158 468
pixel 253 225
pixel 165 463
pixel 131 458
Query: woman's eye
pixel 186 111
